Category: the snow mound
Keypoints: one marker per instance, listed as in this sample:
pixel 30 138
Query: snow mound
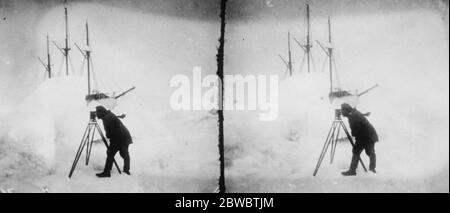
pixel 48 114
pixel 283 145
pixel 39 139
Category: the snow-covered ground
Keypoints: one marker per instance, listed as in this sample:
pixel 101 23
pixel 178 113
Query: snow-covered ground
pixel 405 52
pixel 39 139
pixel 173 151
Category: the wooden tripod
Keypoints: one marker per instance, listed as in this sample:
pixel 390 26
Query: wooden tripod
pixel 87 141
pixel 332 139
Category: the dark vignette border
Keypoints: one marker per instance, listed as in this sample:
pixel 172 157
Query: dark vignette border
pixel 220 60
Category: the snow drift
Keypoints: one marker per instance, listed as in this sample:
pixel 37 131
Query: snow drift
pixel 406 53
pixel 40 134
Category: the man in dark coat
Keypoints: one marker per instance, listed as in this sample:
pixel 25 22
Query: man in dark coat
pixel 365 136
pixel 119 139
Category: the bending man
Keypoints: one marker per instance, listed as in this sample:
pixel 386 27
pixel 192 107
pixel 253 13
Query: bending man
pixel 119 139
pixel 365 136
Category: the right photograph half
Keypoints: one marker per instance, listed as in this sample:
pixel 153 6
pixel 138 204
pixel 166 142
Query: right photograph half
pixel 336 96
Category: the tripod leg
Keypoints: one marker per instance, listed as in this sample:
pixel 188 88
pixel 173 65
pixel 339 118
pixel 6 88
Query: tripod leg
pixel 80 150
pixel 89 148
pixel 335 141
pixel 325 147
pixel 322 153
pixel 332 142
pixel 91 129
pixel 352 143
pixel 88 144
pixel 106 144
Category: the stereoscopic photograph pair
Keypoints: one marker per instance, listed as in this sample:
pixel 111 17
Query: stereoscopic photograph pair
pixel 224 96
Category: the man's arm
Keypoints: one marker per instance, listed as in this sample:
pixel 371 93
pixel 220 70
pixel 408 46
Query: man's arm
pixel 106 126
pixel 113 125
pixel 355 125
pixel 110 126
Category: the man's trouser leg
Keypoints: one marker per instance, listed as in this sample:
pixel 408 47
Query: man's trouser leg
pixel 357 149
pixel 126 158
pixel 370 151
pixel 110 153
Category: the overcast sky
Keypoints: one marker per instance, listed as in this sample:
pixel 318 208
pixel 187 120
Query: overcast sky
pixel 158 31
pixel 190 9
pixel 281 9
pixel 19 18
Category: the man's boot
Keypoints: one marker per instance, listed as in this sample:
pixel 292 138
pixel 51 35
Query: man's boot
pixel 108 166
pixel 373 162
pixel 103 174
pixel 353 165
pixel 126 163
pixel 350 172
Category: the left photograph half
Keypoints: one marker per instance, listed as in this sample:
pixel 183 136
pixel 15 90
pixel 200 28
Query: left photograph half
pixel 109 96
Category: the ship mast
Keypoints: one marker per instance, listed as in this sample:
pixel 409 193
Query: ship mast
pixel 66 49
pixel 308 44
pixel 328 49
pixel 288 63
pixel 47 66
pixel 88 58
pixel 306 47
pixel 329 52
pixel 289 52
pixel 87 55
pixel 330 55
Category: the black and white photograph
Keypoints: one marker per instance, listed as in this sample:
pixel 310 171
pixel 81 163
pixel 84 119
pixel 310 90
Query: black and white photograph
pixel 78 74
pixel 361 101
pixel 224 96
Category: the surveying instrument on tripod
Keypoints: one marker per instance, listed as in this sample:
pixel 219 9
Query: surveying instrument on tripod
pixel 332 139
pixel 87 141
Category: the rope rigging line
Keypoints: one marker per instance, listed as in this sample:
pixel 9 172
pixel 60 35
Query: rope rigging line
pixel 338 79
pixel 108 85
pixel 71 64
pixel 102 85
pixel 99 83
pixel 312 61
pixel 303 62
pixel 338 61
pixel 94 77
pixel 323 64
pixel 114 83
pixel 82 66
pixel 60 66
